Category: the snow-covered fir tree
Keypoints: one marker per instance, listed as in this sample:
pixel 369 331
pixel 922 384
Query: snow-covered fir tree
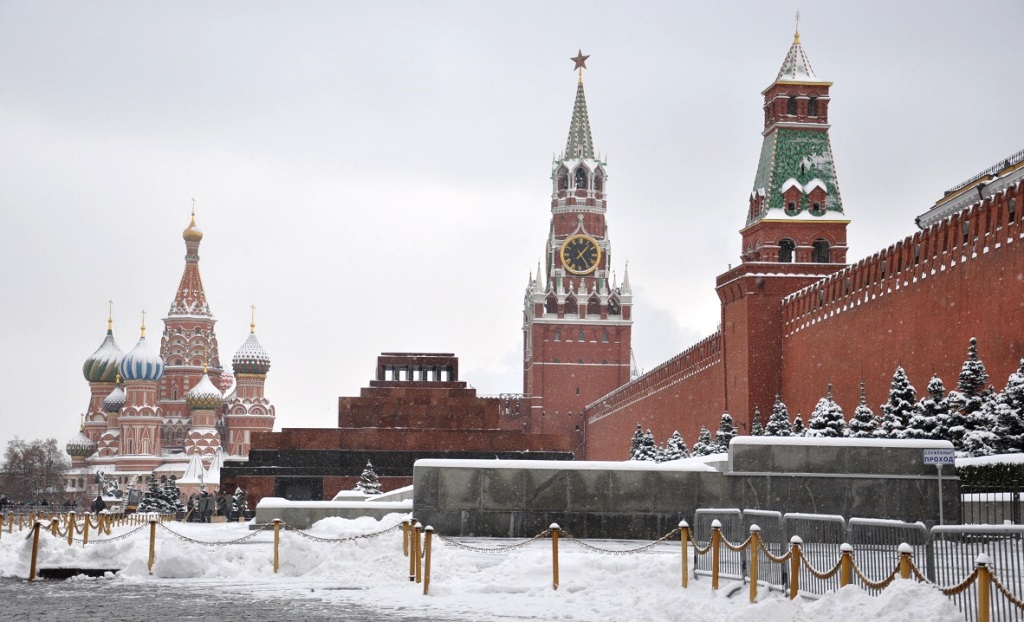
pixel 369 483
pixel 862 425
pixel 239 505
pixel 967 403
pixel 896 412
pixel 930 418
pixel 827 419
pixel 634 443
pixel 1008 411
pixel 704 445
pixel 798 426
pixel 726 432
pixel 675 447
pixel 646 449
pixel 172 495
pixel 778 422
pixel 153 499
pixel 756 428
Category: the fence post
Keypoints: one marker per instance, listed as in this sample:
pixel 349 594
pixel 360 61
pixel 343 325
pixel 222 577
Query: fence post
pixel 684 539
pixel 405 538
pixel 413 546
pixel 85 531
pixel 905 553
pixel 72 525
pixel 716 543
pixel 152 543
pixel 846 565
pixel 35 550
pixel 755 554
pixel 554 553
pixel 984 587
pixel 419 553
pixel 277 544
pixel 794 566
pixel 54 526
pixel 429 531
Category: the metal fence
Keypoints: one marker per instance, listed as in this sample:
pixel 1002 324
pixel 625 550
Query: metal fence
pixel 991 505
pixel 957 546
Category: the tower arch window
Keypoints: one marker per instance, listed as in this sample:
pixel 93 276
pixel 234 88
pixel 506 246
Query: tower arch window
pixel 791 208
pixel 570 305
pixel 1011 211
pixel 787 248
pixel 599 183
pixel 558 334
pixel 551 305
pixel 820 252
pixel 613 307
pixel 563 179
pixel 812 107
pixel 604 336
pixel 594 306
pixel 816 208
pixel 581 178
pixel 791 105
pixel 582 336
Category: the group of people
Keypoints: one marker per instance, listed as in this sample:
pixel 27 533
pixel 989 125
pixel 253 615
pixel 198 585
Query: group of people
pixel 6 504
pixel 202 506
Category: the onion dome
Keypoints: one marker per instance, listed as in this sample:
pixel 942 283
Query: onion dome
pixel 204 396
pixel 192 233
pixel 80 446
pixel 142 362
pixel 102 365
pixel 251 358
pixel 115 401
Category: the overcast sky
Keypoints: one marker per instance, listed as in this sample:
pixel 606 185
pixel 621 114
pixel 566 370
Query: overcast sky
pixel 375 176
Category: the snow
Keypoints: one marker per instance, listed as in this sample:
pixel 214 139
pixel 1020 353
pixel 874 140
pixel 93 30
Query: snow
pixel 465 585
pixel 997 459
pixel 703 463
pixel 844 442
pixel 359 501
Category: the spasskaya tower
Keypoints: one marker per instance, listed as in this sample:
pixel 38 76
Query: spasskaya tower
pixel 576 319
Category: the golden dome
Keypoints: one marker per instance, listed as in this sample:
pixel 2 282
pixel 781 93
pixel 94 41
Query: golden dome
pixel 192 234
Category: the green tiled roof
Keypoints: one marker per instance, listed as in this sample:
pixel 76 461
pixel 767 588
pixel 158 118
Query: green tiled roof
pixel 580 145
pixel 802 155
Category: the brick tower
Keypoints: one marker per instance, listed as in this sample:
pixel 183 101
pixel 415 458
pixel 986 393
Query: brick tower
pixel 577 319
pixel 795 234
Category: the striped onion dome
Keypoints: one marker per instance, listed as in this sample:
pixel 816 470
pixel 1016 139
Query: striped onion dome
pixel 102 365
pixel 115 401
pixel 251 358
pixel 142 363
pixel 204 396
pixel 80 446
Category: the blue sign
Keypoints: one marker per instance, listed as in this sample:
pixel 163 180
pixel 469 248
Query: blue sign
pixel 939 456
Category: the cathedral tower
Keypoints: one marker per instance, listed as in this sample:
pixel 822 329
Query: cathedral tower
pixel 577 319
pixel 795 234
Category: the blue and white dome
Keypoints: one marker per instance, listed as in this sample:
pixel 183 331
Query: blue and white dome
pixel 102 365
pixel 142 363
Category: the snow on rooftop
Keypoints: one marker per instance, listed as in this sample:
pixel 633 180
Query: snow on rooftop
pixel 841 442
pixel 703 463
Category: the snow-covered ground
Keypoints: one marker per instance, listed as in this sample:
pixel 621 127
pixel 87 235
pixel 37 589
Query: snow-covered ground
pixel 465 585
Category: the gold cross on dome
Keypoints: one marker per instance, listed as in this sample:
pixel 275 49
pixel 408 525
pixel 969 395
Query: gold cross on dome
pixel 110 314
pixel 796 32
pixel 143 322
pixel 193 206
pixel 252 323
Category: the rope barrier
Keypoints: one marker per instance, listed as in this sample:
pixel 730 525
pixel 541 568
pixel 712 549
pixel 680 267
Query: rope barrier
pixel 824 576
pixel 1010 597
pixel 634 551
pixel 772 558
pixel 697 549
pixel 738 548
pixel 115 538
pixel 496 549
pixel 877 585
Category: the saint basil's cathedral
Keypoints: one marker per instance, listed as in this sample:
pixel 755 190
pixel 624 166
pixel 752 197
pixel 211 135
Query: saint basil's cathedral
pixel 177 411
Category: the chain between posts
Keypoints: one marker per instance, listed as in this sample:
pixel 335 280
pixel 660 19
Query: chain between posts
pixel 345 539
pixel 638 549
pixel 738 548
pixel 115 538
pixel 999 586
pixel 777 559
pixel 244 538
pixel 496 549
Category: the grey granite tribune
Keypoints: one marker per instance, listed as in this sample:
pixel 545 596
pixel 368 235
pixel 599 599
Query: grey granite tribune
pixel 848 477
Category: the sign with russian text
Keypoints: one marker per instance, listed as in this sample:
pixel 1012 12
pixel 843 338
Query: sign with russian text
pixel 939 456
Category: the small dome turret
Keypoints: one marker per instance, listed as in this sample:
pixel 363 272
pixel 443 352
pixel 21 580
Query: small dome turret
pixel 142 362
pixel 251 358
pixel 204 396
pixel 115 401
pixel 192 232
pixel 101 366
pixel 80 446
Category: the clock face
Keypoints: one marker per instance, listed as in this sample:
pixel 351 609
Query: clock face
pixel 581 254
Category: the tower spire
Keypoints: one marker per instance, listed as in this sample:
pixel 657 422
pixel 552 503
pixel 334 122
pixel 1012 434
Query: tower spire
pixel 252 323
pixel 580 144
pixel 110 316
pixel 190 298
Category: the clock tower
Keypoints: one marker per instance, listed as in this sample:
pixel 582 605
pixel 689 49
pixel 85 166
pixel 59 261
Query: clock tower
pixel 577 318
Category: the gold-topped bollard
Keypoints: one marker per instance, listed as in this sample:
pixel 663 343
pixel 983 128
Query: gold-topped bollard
pixel 417 532
pixel 755 555
pixel 846 565
pixel 405 538
pixel 71 528
pixel 906 551
pixel 684 540
pixel 277 543
pixel 85 531
pixel 794 566
pixel 716 551
pixel 984 563
pixel 413 546
pixel 35 550
pixel 428 533
pixel 554 553
pixel 54 527
pixel 152 543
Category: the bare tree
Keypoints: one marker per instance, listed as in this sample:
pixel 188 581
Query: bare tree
pixel 33 470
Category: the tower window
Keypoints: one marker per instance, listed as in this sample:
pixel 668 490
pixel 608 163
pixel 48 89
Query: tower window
pixel 582 336
pixel 613 307
pixel 563 181
pixel 791 207
pixel 599 183
pixel 581 361
pixel 816 208
pixel 557 361
pixel 786 249
pixel 1012 211
pixel 604 336
pixel 791 106
pixel 812 107
pixel 820 254
pixel 551 305
pixel 558 334
pixel 581 178
pixel 570 306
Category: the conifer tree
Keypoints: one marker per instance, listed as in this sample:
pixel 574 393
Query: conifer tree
pixel 967 401
pixel 726 432
pixel 704 445
pixel 1008 410
pixel 152 499
pixel 778 422
pixel 634 443
pixel 646 449
pixel 798 426
pixel 862 425
pixel 931 415
pixel 756 429
pixel 675 447
pixel 171 495
pixel 827 419
pixel 369 483
pixel 896 412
